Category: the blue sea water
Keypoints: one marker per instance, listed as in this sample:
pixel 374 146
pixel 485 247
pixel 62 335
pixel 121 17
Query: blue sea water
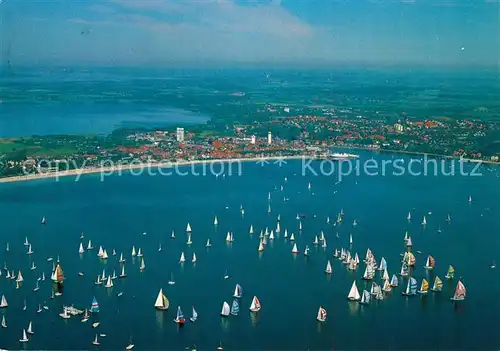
pixel 114 213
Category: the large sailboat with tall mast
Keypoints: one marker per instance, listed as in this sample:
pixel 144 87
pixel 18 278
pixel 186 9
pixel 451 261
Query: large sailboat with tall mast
pixel 161 302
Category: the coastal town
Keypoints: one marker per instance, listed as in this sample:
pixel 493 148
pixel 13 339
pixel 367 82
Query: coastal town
pixel 291 135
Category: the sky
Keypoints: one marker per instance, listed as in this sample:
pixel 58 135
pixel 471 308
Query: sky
pixel 232 32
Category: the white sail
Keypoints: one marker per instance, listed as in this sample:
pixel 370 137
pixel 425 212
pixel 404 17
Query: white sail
pixel 261 246
pixel 226 309
pixel 139 253
pixel 188 228
pixel 133 251
pixel 250 231
pixel 19 277
pixel 81 249
pixel 228 237
pixel 216 221
pixel 105 255
pixel 30 329
pixel 101 252
pixel 350 239
pixel 271 236
pixel 121 260
pixel 208 243
pixel 255 305
pixel 328 268
pixel 354 293
pixel 194 258
pixel 4 323
pixel 89 245
pixel 123 272
pixel 25 337
pixel 292 237
pixel 143 265
pixel 182 259
pixel 3 302
pixel 109 283
pixel 295 249
pixel 161 301
pixel 278 227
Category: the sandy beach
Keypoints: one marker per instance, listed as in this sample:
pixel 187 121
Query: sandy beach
pixel 108 171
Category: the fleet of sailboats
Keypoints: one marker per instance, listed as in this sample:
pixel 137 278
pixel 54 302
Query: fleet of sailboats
pixel 381 283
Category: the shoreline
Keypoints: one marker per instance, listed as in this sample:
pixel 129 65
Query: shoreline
pixel 128 167
pixel 95 170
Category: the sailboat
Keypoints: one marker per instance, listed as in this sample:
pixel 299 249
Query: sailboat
pixel 271 236
pixel 369 272
pixel 438 284
pixel 430 263
pixel 85 316
pixel 194 258
pixel 328 268
pixel 404 270
pixel 104 255
pixel 354 293
pixel 19 278
pixel 460 292
pixel 261 246
pixel 292 237
pixel 387 286
pixel 121 260
pixel 25 337
pixel 57 275
pixel 216 221
pixel 182 259
pixel 172 235
pixel 100 252
pixel 7 248
pixel 295 250
pixel 189 241
pixel 43 220
pixel 133 251
pixel 139 253
pixel 470 199
pixel 143 265
pixel 96 341
pixel 306 251
pixel 26 242
pixel 179 319
pixel 255 305
pixel 451 272
pixel 30 329
pixel 321 317
pixel 188 228
pixel 409 216
pixel 409 243
pixel 4 323
pixel 226 275
pixel 315 242
pixel 424 288
pixel 123 274
pixel 171 281
pixel 161 302
pixel 365 298
pixel 194 316
pixel 424 221
pixel 208 244
pixel 37 287
pixel 89 245
pixel 250 231
pixel 235 308
pixel 238 291
pixel 411 287
pixel 30 250
pixel 94 308
pixel 81 250
pixel 226 309
pixel 109 283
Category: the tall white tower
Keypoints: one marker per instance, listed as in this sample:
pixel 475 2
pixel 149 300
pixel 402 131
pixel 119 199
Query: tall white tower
pixel 180 135
pixel 269 138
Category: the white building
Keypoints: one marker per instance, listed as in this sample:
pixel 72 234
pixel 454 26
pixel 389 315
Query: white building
pixel 252 140
pixel 269 138
pixel 180 135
